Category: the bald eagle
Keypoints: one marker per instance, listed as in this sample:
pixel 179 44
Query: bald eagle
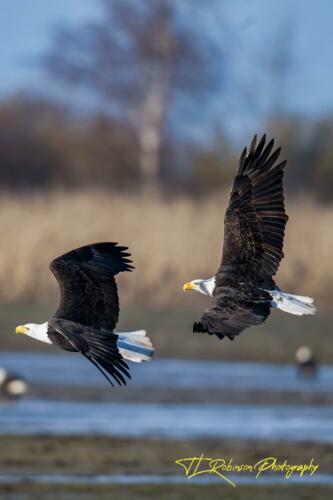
pixel 89 311
pixel 243 290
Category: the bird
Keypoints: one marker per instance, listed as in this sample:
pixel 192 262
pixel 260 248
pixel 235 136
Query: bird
pixel 243 291
pixel 12 387
pixel 89 310
pixel 307 365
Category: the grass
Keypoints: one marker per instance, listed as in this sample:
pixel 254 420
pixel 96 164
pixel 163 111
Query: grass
pixel 108 455
pixel 170 328
pixel 172 241
pixel 93 455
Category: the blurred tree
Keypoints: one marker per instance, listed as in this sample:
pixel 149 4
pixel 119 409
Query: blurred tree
pixel 27 158
pixel 43 146
pixel 307 145
pixel 142 57
pixel 212 165
pixel 278 65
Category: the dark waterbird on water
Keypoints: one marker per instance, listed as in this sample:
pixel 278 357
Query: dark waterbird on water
pixel 89 310
pixel 243 290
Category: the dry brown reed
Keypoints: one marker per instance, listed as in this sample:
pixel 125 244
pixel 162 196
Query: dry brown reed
pixel 171 241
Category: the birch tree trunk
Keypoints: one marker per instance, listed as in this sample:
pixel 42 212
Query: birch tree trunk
pixel 151 128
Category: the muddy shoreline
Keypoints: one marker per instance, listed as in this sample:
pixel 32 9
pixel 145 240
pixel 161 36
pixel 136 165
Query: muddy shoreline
pixel 176 395
pixel 92 456
pixel 104 455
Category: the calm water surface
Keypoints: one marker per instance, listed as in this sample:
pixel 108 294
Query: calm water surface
pixel 162 479
pixel 293 423
pixel 71 369
pixel 242 421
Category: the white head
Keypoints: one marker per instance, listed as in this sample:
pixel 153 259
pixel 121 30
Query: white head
pixel 17 387
pixel 203 286
pixel 38 332
pixel 303 354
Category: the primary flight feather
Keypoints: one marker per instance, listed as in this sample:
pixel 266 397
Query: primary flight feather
pixel 89 310
pixel 243 290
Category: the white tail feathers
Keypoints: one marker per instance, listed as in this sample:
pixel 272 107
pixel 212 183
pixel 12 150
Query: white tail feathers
pixel 135 346
pixel 293 304
pixel 301 298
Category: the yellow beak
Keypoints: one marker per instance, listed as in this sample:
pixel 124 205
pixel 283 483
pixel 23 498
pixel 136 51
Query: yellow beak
pixel 21 329
pixel 189 286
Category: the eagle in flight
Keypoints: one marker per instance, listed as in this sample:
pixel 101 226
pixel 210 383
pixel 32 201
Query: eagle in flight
pixel 88 313
pixel 243 291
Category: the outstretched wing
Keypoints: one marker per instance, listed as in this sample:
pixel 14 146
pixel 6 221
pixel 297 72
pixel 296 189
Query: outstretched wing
pixel 98 346
pixel 254 228
pixel 89 294
pixel 255 219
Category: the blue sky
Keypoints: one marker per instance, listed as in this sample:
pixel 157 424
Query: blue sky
pixel 25 29
pixel 26 26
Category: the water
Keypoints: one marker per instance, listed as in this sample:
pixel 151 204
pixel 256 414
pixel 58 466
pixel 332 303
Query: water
pixel 160 479
pixel 293 423
pixel 191 420
pixel 182 374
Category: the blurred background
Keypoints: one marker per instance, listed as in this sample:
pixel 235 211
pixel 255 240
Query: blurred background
pixel 123 120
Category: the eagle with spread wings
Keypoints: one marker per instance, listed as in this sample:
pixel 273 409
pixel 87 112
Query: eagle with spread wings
pixel 243 291
pixel 88 312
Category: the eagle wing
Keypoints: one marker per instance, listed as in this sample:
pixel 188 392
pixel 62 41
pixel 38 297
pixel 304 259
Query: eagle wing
pixel 255 219
pixel 254 228
pixel 89 294
pixel 98 346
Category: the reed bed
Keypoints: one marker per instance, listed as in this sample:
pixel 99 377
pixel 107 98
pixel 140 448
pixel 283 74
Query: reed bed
pixel 171 241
